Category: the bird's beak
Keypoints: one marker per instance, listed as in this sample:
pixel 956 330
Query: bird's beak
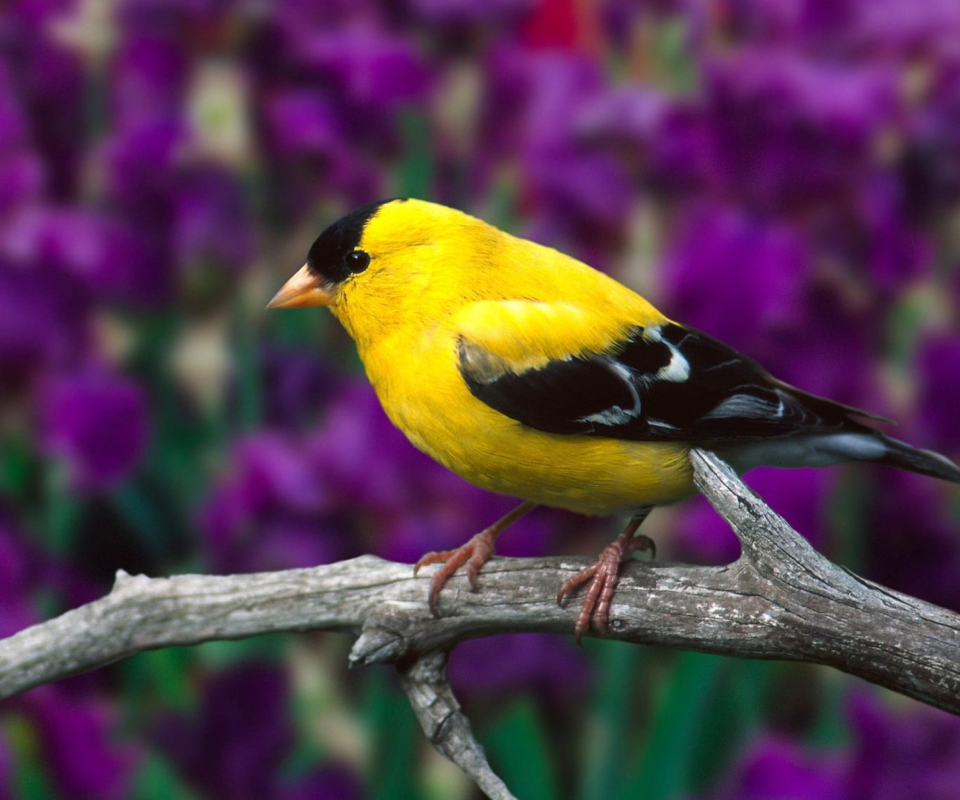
pixel 302 290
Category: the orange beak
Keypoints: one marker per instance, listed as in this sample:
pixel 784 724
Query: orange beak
pixel 304 289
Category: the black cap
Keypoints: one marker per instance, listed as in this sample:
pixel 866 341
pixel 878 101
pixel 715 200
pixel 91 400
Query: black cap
pixel 328 254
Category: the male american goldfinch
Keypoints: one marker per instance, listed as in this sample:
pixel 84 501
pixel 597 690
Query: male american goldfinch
pixel 530 374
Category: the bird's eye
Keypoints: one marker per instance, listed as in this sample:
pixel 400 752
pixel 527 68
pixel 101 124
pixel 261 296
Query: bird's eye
pixel 357 260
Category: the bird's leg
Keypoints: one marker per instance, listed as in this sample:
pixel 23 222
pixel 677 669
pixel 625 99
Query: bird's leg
pixel 475 553
pixel 603 575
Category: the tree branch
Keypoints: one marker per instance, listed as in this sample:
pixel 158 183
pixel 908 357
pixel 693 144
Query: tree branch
pixel 780 600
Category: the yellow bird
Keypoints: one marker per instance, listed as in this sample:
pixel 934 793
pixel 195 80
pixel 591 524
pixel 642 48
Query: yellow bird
pixel 530 374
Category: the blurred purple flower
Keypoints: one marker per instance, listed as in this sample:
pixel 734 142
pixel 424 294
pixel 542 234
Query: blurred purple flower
pixel 22 173
pixel 212 220
pixel 485 667
pixel 912 545
pixel 234 746
pixel 897 754
pixel 268 511
pixel 736 276
pixel 90 248
pixel 788 130
pixel 148 82
pixel 902 754
pixel 75 738
pixel 302 121
pixel 140 167
pixel 901 27
pixel 96 422
pixel 331 782
pixel 625 117
pixel 42 321
pixel 52 82
pixel 356 485
pixel 777 769
pixel 140 172
pixel 894 253
pixel 370 69
pixel 312 151
pixel 18 574
pixel 800 496
pixel 578 195
pixel 929 163
pixel 938 372
pixel 185 214
pixel 296 386
pixel 469 13
pixel 751 282
pixel 189 21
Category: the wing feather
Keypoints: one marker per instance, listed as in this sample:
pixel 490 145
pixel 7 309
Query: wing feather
pixel 659 382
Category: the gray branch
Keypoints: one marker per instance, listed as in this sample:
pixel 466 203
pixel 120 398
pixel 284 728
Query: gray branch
pixel 779 600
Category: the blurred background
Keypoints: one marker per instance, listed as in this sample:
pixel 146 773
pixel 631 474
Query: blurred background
pixel 782 174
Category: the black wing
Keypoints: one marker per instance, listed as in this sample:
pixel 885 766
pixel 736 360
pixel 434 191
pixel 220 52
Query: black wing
pixel 666 382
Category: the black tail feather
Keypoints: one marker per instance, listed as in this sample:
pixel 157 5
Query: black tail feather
pixel 926 462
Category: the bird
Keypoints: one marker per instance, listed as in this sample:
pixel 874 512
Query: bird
pixel 531 374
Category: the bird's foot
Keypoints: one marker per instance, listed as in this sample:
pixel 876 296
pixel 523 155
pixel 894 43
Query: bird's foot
pixel 475 553
pixel 603 576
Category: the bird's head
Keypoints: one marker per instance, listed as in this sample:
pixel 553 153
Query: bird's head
pixel 389 260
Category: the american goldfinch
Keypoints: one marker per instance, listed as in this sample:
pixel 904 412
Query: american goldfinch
pixel 530 374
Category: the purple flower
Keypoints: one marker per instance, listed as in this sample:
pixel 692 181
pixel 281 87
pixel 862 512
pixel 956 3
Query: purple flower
pixel 899 27
pixel 777 769
pixel 234 746
pixel 268 512
pixel 42 321
pixel 302 121
pixel 800 496
pixel 148 82
pixel 356 485
pixel 467 13
pixel 736 276
pixel 212 222
pixel 52 83
pixel 95 421
pixel 750 282
pixel 481 668
pixel 788 131
pixel 312 150
pixel 929 164
pixel 296 386
pixel 83 247
pixel 22 173
pixel 75 739
pixel 16 568
pixel 938 367
pixel 902 754
pixel 578 195
pixel 193 21
pixel 370 69
pixel 330 782
pixel 912 541
pixel 895 755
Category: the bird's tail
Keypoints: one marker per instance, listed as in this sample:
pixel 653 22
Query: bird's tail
pixel 926 462
pixel 882 449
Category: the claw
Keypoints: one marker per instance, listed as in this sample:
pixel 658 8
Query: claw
pixel 602 577
pixel 475 553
